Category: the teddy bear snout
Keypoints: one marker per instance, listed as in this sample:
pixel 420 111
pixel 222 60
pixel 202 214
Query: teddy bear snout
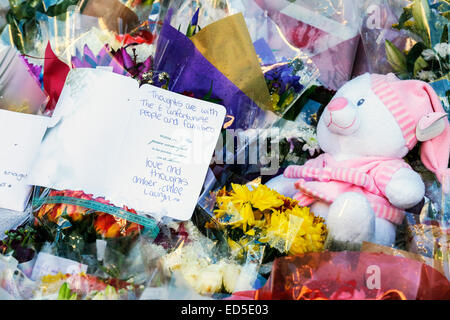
pixel 341 117
pixel 337 104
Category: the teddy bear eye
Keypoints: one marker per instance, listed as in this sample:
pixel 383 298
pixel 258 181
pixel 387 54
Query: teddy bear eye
pixel 360 102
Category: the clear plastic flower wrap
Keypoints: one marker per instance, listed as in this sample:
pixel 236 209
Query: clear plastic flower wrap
pixel 70 25
pixel 16 71
pixel 409 38
pixel 327 31
pixel 14 284
pixel 25 19
pixel 351 276
pixel 250 222
pixel 84 242
pixel 379 16
pixel 83 41
pixel 21 119
pixel 254 72
pixel 196 263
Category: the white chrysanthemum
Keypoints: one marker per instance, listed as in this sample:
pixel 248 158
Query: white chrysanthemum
pixel 193 231
pixel 247 277
pixel 442 49
pixel 231 273
pixel 191 255
pixel 190 274
pixel 428 54
pixel 209 280
pixel 311 142
pixel 194 264
pixel 426 75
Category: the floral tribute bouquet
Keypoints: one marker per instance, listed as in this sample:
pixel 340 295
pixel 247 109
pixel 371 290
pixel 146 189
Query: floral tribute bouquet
pixel 350 276
pixel 251 227
pixel 80 234
pixel 19 244
pixel 428 59
pixel 244 241
pixel 261 217
pixel 242 72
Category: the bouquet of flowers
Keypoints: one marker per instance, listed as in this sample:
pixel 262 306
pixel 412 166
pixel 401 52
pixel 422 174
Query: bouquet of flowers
pixel 258 219
pixel 261 61
pixel 350 276
pixel 428 59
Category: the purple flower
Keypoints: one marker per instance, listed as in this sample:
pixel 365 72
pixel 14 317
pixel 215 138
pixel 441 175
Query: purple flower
pixel 34 70
pixel 194 20
pixel 136 70
pixel 193 25
pixel 282 78
pixel 120 60
pixel 89 60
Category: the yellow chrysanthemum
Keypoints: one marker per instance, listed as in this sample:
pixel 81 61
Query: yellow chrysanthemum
pixel 261 197
pixel 239 204
pixel 265 215
pixel 264 198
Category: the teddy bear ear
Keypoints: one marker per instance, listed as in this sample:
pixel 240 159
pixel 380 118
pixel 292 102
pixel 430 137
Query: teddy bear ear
pixel 431 126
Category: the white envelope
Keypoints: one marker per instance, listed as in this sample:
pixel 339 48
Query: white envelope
pixel 20 138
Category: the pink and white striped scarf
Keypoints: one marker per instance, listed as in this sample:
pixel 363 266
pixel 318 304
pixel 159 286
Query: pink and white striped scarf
pixel 324 179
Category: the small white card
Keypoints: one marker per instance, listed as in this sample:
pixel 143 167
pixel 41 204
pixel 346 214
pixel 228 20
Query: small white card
pixel 20 138
pixel 146 148
pixel 48 264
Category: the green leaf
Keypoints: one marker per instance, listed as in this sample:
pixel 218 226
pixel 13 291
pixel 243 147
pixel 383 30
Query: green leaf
pixel 61 8
pixel 64 292
pixel 406 15
pixel 413 55
pixel 444 38
pixel 395 57
pixel 421 13
pixel 419 65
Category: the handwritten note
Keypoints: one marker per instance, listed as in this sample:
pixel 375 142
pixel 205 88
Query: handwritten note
pixel 146 147
pixel 20 138
pixel 47 264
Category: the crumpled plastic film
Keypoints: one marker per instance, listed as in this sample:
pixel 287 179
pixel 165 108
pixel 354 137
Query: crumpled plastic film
pixel 16 71
pixel 351 275
pixel 326 30
pixel 275 54
pixel 378 18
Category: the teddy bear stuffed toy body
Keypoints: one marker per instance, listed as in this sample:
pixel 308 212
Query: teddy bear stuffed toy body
pixel 360 184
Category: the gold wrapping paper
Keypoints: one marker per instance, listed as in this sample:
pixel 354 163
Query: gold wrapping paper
pixel 227 45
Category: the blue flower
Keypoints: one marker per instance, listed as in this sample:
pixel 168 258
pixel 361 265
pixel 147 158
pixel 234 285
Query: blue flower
pixel 194 20
pixel 283 78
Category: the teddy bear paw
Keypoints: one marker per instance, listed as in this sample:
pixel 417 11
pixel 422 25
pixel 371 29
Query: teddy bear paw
pixel 351 219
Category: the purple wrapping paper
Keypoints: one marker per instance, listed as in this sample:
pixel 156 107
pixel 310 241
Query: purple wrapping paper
pixel 190 71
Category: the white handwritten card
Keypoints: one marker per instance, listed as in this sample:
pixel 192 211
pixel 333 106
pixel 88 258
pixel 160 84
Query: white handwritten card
pixel 47 264
pixel 146 148
pixel 20 138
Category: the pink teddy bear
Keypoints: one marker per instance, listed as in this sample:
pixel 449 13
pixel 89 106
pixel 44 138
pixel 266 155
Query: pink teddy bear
pixel 361 185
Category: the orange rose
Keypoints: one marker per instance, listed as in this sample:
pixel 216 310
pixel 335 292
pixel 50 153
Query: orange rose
pixel 54 211
pixel 112 227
